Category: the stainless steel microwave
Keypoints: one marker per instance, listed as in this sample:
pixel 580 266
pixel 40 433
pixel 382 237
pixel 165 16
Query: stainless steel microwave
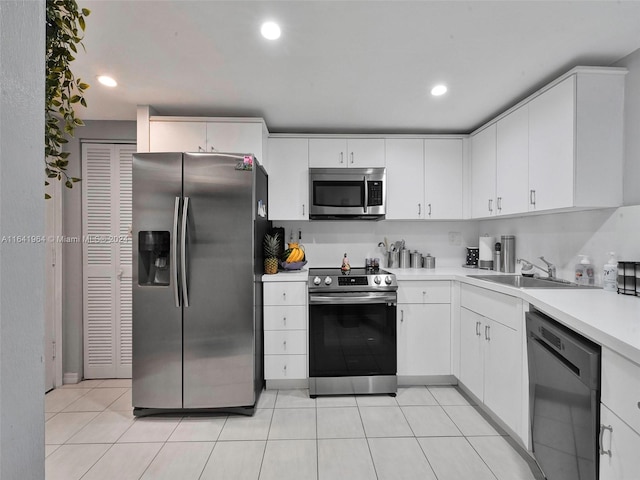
pixel 347 193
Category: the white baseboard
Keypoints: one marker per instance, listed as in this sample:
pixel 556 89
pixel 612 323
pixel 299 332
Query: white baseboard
pixel 70 378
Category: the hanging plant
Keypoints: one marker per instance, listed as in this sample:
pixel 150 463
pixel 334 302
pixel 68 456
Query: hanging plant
pixel 65 27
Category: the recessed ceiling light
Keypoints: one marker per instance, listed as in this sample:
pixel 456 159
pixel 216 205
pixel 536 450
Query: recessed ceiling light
pixel 439 90
pixel 107 81
pixel 270 30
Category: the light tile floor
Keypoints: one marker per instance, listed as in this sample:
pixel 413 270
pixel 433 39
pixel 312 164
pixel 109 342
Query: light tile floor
pixel 423 433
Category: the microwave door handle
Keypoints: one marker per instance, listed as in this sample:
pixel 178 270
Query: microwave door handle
pixel 366 194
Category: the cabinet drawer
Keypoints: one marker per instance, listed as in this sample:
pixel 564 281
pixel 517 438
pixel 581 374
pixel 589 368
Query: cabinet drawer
pixel 285 342
pixel 287 317
pixel 621 387
pixel 502 308
pixel 285 293
pixel 624 445
pixel 424 292
pixel 280 367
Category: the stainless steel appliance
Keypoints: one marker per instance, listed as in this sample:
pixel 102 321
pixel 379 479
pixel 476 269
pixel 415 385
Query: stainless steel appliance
pixel 352 331
pixel 198 224
pixel 347 193
pixel 564 399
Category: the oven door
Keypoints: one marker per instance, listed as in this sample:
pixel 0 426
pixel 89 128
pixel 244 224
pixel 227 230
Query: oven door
pixel 352 334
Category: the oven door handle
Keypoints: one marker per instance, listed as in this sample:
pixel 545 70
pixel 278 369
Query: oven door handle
pixel 352 299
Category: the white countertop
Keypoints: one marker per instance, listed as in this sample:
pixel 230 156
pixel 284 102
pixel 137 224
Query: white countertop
pixel 607 318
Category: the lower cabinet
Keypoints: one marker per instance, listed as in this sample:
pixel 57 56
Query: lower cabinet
pixel 424 339
pixel 619 448
pixel 619 418
pixel 285 331
pixel 424 328
pixel 491 352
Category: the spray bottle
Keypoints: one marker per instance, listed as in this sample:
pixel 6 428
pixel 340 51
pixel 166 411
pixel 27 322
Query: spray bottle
pixel 610 274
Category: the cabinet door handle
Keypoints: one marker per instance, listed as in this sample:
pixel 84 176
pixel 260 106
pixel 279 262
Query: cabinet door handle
pixel 478 328
pixel 200 149
pixel 284 321
pixel 284 345
pixel 601 445
pixel 341 157
pixel 487 331
pixel 419 209
pixel 491 205
pixel 284 296
pixel 499 205
pixel 402 315
pixel 429 205
pixel 351 158
pixel 303 209
pixel 532 197
pixel 284 369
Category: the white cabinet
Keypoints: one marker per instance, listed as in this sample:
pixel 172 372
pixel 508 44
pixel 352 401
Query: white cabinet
pixel 483 172
pixel 424 328
pixel 491 352
pixel 288 179
pixel 346 152
pixel 551 147
pixel 619 448
pixel 512 162
pixel 405 178
pixel 619 418
pixel 560 148
pixel 424 178
pixel 201 135
pixel 285 331
pixel 166 136
pixel 443 178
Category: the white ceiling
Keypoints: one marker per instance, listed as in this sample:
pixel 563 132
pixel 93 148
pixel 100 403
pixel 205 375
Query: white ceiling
pixel 343 66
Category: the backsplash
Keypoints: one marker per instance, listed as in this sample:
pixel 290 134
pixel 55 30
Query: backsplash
pixel 560 237
pixel 326 242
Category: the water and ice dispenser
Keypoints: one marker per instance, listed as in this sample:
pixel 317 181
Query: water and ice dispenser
pixel 153 258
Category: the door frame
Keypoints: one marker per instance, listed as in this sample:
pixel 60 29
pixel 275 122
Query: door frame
pixel 53 285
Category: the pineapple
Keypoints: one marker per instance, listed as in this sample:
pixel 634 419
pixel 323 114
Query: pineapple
pixel 271 246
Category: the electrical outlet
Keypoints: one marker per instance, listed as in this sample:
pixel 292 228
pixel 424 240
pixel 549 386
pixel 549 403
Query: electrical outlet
pixel 455 238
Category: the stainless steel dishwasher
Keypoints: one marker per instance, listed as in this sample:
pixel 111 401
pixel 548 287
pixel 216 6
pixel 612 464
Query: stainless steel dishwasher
pixel 564 399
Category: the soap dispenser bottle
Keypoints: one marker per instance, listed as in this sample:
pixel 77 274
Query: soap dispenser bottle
pixel 584 271
pixel 610 274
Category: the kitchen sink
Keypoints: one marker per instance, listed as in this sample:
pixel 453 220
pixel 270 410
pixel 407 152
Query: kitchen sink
pixel 519 281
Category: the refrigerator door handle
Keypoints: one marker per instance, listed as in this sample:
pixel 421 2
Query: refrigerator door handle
pixel 183 251
pixel 174 252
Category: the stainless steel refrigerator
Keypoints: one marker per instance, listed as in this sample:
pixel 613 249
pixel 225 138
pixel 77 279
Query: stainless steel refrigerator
pixel 198 224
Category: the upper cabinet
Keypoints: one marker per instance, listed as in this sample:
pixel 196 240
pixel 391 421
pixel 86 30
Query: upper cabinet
pixel 346 152
pixel 483 172
pixel 561 148
pixel 211 135
pixel 405 178
pixel 288 178
pixel 512 162
pixel 424 178
pixel 443 178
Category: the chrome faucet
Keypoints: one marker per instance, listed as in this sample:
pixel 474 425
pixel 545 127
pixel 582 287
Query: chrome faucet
pixel 527 267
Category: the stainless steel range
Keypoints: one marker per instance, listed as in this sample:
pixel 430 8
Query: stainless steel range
pixel 352 331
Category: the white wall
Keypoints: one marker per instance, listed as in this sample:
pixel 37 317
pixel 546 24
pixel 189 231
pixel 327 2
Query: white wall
pixel 21 264
pixel 561 237
pixel 326 242
pixel 72 361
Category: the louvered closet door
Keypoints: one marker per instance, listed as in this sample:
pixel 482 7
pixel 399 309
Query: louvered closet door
pixel 106 207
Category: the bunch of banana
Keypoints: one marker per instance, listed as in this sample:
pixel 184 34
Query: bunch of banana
pixel 295 253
